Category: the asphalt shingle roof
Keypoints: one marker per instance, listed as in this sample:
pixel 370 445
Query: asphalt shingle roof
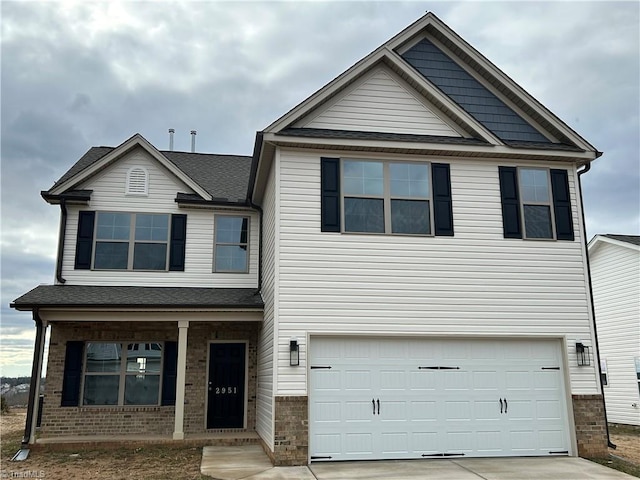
pixel 222 176
pixel 632 239
pixel 76 296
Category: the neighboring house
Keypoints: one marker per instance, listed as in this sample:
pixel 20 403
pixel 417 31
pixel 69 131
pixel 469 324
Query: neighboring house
pixel 399 271
pixel 615 276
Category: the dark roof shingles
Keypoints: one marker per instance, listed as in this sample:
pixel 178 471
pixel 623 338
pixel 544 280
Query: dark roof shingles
pixel 222 176
pixel 632 239
pixel 71 296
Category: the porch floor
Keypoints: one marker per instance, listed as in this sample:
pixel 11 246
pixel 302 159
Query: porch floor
pixel 196 439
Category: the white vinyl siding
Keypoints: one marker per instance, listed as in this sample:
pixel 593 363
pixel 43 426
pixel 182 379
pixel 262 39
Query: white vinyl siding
pixel 381 103
pixel 109 195
pixel 475 283
pixel 265 390
pixel 615 272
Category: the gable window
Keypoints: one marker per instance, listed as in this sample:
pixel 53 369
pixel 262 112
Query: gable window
pixel 375 196
pixel 137 181
pixel 231 248
pixel 122 373
pixel 536 203
pixel 130 241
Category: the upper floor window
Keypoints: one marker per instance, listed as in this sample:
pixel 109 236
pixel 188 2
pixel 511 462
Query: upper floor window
pixel 536 203
pixel 137 181
pixel 385 197
pixel 231 249
pixel 604 373
pixel 131 241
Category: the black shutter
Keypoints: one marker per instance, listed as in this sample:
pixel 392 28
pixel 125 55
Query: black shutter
pixel 178 242
pixel 511 223
pixel 330 202
pixel 169 373
pixel 442 204
pixel 562 205
pixel 72 377
pixel 84 240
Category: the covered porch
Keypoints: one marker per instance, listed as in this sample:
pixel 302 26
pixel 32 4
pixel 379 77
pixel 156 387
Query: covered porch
pixel 145 364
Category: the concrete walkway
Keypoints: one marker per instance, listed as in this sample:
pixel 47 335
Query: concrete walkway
pixel 249 462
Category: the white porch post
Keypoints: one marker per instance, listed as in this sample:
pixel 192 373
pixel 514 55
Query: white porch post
pixel 178 431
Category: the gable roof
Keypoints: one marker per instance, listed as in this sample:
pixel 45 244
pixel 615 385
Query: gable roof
pixel 626 241
pixel 217 178
pixel 466 87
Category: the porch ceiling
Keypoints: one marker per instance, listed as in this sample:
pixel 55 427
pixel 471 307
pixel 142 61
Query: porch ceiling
pixel 103 297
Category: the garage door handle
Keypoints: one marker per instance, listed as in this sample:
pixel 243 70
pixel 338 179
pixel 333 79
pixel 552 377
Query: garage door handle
pixel 501 406
pixel 374 406
pixel 378 406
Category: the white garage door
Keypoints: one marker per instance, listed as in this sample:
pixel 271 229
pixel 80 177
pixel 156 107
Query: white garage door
pixel 413 398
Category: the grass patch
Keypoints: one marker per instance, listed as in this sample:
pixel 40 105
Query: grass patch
pixel 620 464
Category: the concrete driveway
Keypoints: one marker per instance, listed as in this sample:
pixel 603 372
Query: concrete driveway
pixel 249 462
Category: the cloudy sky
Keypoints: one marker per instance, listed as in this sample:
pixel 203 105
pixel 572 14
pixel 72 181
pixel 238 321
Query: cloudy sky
pixel 82 74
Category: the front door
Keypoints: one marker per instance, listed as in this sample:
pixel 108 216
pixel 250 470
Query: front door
pixel 225 407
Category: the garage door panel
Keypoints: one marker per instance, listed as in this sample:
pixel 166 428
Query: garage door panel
pixel 423 411
pixel 436 397
pixel 357 380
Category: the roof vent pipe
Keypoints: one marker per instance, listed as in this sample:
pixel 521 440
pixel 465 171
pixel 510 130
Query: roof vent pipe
pixel 171 132
pixel 193 141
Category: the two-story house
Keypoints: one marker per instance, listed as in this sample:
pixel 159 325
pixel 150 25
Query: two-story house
pixel 398 271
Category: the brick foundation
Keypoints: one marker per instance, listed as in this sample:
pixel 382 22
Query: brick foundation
pixel 291 435
pixel 136 420
pixel 591 430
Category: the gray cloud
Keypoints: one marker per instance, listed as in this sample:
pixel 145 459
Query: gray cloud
pixel 74 76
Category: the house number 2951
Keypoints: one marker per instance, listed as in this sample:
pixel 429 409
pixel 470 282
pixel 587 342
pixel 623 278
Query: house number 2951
pixel 226 390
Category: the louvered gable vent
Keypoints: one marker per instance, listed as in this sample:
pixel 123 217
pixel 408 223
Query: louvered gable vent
pixel 137 181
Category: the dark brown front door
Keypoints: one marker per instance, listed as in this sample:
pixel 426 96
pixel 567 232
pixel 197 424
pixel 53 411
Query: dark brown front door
pixel 225 408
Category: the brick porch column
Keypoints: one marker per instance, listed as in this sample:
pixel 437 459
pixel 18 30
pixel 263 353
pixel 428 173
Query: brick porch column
pixel 178 431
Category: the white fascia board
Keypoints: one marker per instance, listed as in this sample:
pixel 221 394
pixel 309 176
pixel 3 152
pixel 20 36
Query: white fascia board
pixel 303 108
pixel 512 85
pixel 487 151
pixel 127 145
pixel 598 240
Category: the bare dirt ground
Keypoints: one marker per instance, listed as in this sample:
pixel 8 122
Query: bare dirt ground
pixel 148 463
pixel 165 462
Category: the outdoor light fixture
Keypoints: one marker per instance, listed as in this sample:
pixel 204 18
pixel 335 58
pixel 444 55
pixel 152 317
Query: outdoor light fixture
pixel 582 353
pixel 294 353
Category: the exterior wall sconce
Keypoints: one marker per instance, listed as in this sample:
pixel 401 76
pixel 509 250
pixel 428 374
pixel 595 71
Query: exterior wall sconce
pixel 294 353
pixel 582 353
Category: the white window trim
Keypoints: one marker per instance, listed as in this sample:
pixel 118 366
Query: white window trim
pixel 131 242
pixel 386 197
pixel 129 191
pixel 122 375
pixel 549 204
pixel 248 243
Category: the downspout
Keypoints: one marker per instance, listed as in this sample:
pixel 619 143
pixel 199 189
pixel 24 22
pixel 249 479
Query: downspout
pixel 586 168
pixel 61 237
pixel 260 212
pixel 34 387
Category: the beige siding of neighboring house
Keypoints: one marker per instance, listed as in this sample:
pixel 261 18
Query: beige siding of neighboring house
pixel 265 406
pixel 380 103
pixel 475 283
pixel 109 195
pixel 615 272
